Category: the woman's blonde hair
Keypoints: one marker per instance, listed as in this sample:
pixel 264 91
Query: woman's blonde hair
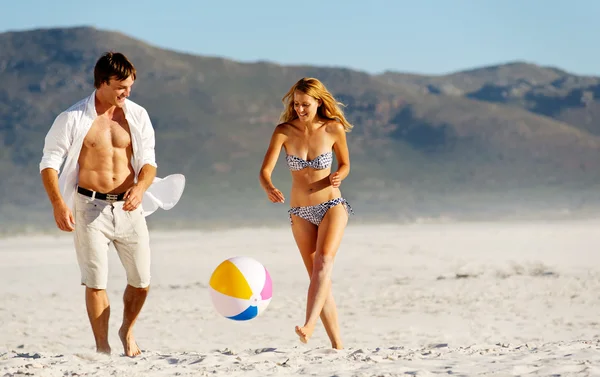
pixel 330 108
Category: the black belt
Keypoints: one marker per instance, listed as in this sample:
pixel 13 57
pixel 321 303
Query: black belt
pixel 101 196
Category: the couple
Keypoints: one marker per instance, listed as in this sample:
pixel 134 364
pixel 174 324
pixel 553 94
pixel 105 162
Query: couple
pixel 108 186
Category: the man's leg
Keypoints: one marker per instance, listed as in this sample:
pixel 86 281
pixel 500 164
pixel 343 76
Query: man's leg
pixel 98 309
pixel 133 248
pixel 91 245
pixel 133 300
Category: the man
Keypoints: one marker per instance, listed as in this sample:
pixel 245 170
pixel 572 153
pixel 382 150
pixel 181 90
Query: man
pixel 107 143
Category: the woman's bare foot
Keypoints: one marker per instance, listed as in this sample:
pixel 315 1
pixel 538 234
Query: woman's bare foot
pixel 130 347
pixel 305 332
pixel 337 345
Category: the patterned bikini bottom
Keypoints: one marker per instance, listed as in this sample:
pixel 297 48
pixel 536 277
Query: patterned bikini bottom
pixel 315 213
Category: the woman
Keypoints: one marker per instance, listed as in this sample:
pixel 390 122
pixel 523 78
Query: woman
pixel 313 127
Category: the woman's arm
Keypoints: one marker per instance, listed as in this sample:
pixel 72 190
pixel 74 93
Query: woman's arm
pixel 277 140
pixel 340 147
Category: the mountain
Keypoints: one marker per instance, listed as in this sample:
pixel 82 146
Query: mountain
pixel 545 91
pixel 507 140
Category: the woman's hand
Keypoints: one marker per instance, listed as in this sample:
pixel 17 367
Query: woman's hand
pixel 335 179
pixel 275 195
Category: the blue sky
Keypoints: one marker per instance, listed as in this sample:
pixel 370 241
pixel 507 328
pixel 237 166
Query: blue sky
pixel 421 36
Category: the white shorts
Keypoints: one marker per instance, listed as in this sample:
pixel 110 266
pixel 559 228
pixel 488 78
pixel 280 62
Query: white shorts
pixel 99 222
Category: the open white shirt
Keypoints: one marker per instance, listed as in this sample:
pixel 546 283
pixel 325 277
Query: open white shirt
pixel 64 141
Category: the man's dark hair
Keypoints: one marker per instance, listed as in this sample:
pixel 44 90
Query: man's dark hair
pixel 112 65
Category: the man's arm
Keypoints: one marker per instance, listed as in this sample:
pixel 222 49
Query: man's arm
pixel 50 181
pixel 62 214
pixel 135 195
pixel 146 175
pixel 56 147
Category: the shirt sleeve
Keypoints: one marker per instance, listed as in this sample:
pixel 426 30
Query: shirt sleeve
pixel 57 143
pixel 148 141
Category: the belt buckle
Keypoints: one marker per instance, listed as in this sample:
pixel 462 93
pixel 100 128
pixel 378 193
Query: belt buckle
pixel 111 197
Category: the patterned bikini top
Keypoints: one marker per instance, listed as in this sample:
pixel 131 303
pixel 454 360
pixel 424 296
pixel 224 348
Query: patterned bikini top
pixel 322 161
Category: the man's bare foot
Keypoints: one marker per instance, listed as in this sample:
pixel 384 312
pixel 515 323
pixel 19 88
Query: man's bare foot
pixel 130 347
pixel 305 332
pixel 103 349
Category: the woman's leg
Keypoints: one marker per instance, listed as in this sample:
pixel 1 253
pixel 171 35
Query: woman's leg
pixel 329 237
pixel 305 234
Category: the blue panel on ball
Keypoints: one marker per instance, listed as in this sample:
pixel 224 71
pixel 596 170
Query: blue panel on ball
pixel 247 314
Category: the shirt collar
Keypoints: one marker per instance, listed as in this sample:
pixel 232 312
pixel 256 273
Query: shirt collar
pixel 91 107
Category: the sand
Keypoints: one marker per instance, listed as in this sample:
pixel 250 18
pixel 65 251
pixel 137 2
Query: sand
pixel 468 299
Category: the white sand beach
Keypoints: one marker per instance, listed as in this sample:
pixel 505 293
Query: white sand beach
pixel 494 299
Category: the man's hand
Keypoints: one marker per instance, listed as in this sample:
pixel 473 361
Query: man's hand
pixel 64 218
pixel 133 198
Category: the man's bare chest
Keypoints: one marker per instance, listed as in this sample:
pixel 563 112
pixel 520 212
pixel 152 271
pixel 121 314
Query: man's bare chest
pixel 108 133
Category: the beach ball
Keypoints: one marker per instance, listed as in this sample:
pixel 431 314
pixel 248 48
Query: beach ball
pixel 240 288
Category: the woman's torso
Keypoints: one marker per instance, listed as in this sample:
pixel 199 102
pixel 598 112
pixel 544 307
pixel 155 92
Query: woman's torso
pixel 309 156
